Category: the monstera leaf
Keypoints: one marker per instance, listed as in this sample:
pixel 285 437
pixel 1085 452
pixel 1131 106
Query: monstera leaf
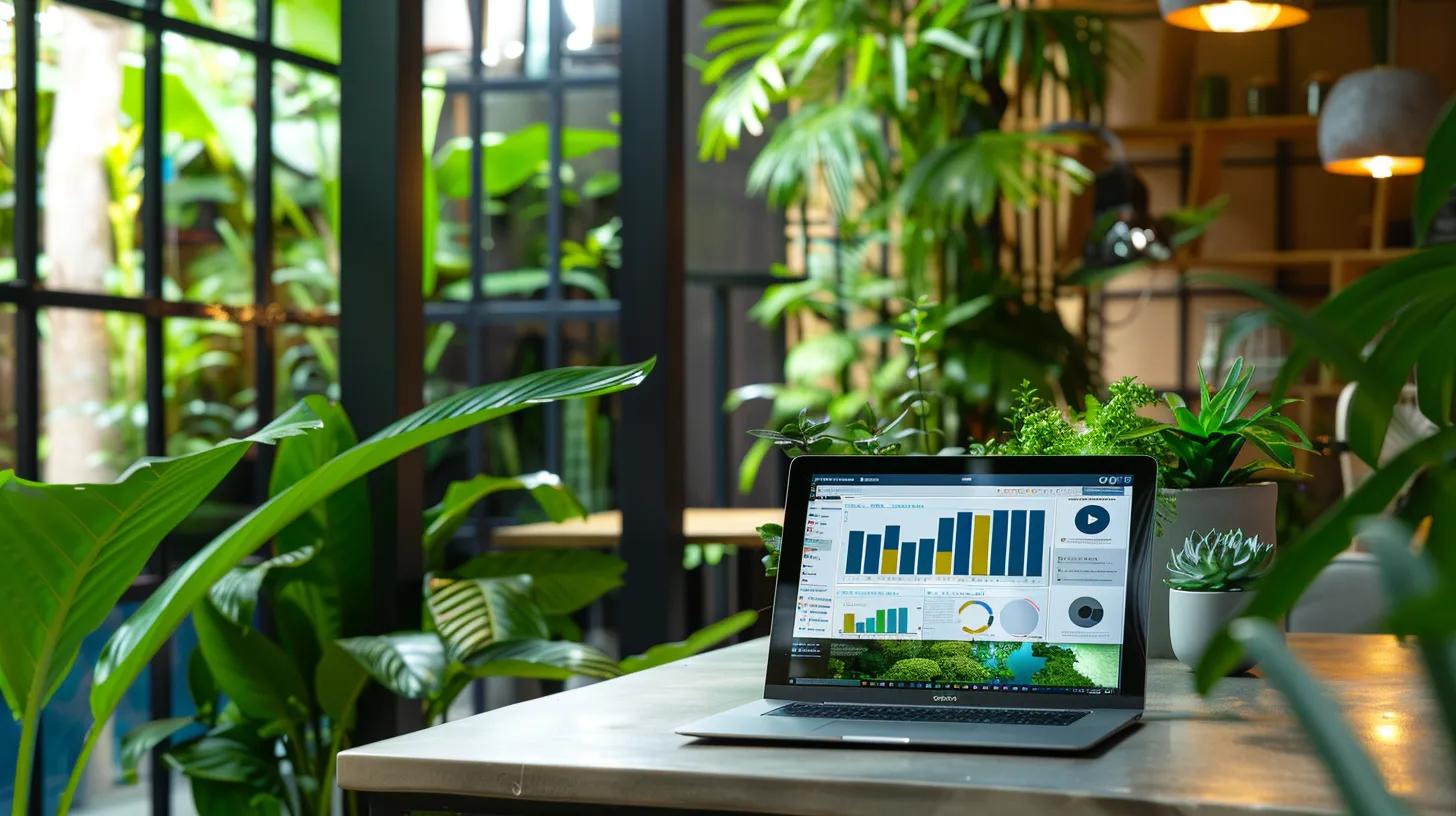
pixel 139 638
pixel 71 551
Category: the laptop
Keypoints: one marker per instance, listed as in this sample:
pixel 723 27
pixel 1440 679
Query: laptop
pixel 961 601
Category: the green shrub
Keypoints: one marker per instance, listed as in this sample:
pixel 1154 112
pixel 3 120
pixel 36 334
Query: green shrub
pixel 962 669
pixel 836 668
pixel 914 669
pixel 949 648
pixel 899 649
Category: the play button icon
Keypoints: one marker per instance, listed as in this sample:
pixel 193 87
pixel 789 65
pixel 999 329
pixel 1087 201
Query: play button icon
pixel 1092 519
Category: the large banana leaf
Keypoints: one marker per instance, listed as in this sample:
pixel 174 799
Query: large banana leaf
pixel 139 638
pixel 72 550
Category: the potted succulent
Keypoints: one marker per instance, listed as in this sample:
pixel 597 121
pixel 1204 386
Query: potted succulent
pixel 1202 474
pixel 1207 579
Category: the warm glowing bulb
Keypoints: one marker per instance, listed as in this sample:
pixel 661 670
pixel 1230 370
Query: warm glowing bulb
pixel 1239 15
pixel 1379 166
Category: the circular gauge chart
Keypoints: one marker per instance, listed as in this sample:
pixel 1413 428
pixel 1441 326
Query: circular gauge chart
pixel 976 617
pixel 1020 617
pixel 1085 612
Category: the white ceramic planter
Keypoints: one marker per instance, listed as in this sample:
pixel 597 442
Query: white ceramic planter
pixel 1247 507
pixel 1194 618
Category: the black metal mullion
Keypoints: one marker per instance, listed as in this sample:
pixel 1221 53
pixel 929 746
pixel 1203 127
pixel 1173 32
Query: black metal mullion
pixel 555 118
pixel 27 244
pixel 264 337
pixel 525 83
pixel 159 674
pixel 475 365
pixel 153 19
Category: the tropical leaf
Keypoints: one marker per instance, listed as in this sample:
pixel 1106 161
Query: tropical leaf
pixel 562 581
pixel 339 679
pixel 1438 178
pixel 441 521
pixel 1350 767
pixel 257 676
pixel 542 659
pixel 74 549
pixel 1300 563
pixel 140 741
pixel 236 594
pixel 473 613
pixel 137 639
pixel 230 753
pixel 409 664
pixel 705 638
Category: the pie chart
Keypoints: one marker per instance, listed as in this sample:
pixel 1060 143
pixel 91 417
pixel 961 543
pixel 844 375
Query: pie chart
pixel 1020 617
pixel 1092 519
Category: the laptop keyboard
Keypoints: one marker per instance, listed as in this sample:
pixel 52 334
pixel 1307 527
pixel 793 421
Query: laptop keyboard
pixel 990 716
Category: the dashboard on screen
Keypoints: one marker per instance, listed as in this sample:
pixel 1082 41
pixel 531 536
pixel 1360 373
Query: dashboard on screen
pixel 990 582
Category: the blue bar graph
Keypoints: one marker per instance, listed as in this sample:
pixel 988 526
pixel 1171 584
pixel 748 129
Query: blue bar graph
pixel 999 521
pixel 892 620
pixel 925 557
pixel 1034 542
pixel 907 556
pixel 1001 543
pixel 872 554
pixel 1016 557
pixel 962 564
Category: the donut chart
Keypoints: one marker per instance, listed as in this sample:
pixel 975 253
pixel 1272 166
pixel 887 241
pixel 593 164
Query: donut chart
pixel 976 617
pixel 1085 612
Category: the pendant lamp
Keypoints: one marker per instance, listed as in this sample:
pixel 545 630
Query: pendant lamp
pixel 1234 16
pixel 1375 122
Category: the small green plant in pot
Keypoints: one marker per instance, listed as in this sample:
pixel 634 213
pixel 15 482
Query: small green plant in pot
pixel 1207 579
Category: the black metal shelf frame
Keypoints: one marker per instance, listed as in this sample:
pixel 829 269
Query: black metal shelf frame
pixel 27 294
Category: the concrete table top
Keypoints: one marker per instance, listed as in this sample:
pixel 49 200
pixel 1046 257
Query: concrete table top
pixel 1235 752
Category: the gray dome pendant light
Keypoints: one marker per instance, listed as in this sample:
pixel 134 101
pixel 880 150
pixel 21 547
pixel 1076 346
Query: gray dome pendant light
pixel 1376 121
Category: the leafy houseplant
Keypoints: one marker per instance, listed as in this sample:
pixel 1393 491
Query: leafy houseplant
pixel 1373 333
pixel 897 126
pixel 76 548
pixel 1206 581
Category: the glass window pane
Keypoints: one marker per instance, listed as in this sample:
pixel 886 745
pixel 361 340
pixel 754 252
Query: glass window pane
pixel 90 148
pixel 209 383
pixel 209 153
pixel 237 16
pixel 591 250
pixel 306 189
pixel 8 417
pixel 447 190
pixel 590 43
pixel 307 364
pixel 447 39
pixel 93 394
pixel 307 26
pixel 517 149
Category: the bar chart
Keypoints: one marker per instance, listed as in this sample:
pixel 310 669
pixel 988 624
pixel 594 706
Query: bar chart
pixel 892 621
pixel 1000 543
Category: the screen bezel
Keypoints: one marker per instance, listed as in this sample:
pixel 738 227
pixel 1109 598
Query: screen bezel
pixel 1135 615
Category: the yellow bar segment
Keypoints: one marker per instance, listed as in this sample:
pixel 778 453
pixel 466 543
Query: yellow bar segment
pixel 981 546
pixel 889 562
pixel 942 563
pixel 849 622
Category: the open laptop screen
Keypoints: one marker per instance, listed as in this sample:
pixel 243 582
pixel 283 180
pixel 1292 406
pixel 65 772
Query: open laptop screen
pixel 984 582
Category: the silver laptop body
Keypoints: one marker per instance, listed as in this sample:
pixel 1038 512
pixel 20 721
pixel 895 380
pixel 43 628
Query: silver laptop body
pixel 982 602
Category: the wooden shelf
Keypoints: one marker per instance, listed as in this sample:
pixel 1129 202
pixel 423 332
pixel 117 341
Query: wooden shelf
pixel 1233 129
pixel 1305 258
pixel 735 526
